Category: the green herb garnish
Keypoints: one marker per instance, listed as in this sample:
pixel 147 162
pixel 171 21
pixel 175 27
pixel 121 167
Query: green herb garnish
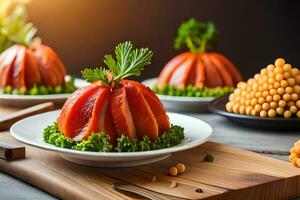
pixel 197 36
pixel 208 158
pixel 99 142
pixel 128 62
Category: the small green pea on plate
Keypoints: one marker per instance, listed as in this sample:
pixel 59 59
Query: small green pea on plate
pixel 21 100
pixel 188 100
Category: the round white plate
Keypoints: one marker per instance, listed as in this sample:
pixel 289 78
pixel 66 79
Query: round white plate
pixel 29 131
pixel 29 100
pixel 179 103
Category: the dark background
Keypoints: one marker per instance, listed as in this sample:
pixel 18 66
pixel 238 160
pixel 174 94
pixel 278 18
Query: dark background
pixel 252 33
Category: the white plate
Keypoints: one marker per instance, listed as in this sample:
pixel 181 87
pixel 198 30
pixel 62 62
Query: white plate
pixel 179 103
pixel 29 131
pixel 29 100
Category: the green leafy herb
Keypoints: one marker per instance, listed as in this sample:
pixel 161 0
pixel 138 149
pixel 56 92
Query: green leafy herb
pixel 14 28
pixel 100 142
pixel 128 62
pixel 93 75
pixel 208 158
pixel 95 142
pixel 197 36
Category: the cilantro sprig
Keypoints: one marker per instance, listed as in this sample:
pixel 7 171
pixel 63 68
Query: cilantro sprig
pixel 127 62
pixel 197 36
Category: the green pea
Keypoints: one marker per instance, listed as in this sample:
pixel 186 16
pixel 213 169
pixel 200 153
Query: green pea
pixel 58 89
pixel 42 90
pixel 7 90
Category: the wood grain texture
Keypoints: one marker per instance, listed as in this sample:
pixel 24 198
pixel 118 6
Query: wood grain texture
pixel 235 174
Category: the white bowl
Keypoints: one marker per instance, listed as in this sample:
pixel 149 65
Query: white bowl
pixel 29 100
pixel 29 131
pixel 180 103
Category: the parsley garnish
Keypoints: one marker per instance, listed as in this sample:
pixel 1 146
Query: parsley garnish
pixel 128 62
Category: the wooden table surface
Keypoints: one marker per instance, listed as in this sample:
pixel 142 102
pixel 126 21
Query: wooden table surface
pixel 270 143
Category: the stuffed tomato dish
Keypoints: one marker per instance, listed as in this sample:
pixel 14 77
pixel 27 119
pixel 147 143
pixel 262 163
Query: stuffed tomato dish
pixel 114 114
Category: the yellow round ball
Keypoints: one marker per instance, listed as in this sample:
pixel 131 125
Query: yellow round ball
pixel 287 67
pixel 286 97
pixel 293 109
pixel 279 110
pixel 266 106
pixel 282 103
pixel 279 62
pixel 271 113
pixel 287 114
pixel 263 113
pixel 276 97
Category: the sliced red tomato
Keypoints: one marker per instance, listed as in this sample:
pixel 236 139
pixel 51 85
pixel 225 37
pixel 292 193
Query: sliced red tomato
pixel 123 120
pixel 7 59
pixel 143 117
pixel 77 111
pixel 156 106
pixel 101 117
pixel 18 78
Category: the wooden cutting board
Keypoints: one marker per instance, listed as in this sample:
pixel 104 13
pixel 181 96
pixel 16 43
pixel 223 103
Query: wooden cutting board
pixel 235 174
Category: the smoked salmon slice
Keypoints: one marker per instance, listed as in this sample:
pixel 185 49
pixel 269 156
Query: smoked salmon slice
pixel 32 72
pixel 200 73
pixel 226 77
pixel 122 117
pixel 101 117
pixel 236 76
pixel 7 59
pixel 211 71
pixel 156 106
pixel 51 68
pixel 77 111
pixel 18 77
pixel 143 117
pixel 180 76
pixel 169 69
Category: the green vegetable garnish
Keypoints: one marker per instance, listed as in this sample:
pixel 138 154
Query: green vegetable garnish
pixel 197 36
pixel 100 142
pixel 67 88
pixel 128 62
pixel 208 158
pixel 192 91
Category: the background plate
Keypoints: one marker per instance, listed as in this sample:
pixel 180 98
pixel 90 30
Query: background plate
pixel 218 106
pixel 29 100
pixel 179 103
pixel 30 131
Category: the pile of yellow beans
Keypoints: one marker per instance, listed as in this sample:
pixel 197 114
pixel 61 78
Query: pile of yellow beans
pixel 275 91
pixel 295 154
